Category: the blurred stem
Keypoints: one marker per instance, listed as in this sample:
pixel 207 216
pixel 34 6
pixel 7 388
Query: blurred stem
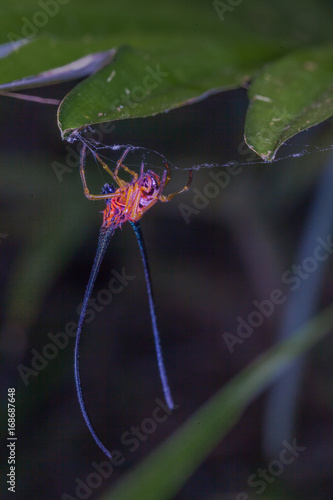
pixel 282 400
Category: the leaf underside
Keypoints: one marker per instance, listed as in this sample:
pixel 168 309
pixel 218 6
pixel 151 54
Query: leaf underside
pixel 196 49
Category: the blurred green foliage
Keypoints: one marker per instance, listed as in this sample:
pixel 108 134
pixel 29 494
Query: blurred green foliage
pixel 162 474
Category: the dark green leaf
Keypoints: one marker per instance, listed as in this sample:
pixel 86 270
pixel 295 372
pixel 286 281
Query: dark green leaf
pixel 45 61
pixel 204 47
pixel 142 83
pixel 288 96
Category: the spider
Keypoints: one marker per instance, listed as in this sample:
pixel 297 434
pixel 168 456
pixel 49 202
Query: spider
pixel 132 199
pixel 128 202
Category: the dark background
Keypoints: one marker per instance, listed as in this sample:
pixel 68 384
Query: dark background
pixel 205 274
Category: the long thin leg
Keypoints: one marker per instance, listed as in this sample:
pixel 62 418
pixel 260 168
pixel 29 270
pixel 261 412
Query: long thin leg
pixel 169 197
pixel 104 239
pixel 114 176
pixel 164 182
pixel 167 394
pixel 168 177
pixel 84 182
pixel 120 161
pixel 134 174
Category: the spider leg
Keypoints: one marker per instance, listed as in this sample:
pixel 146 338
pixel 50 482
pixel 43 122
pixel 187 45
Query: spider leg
pixel 130 197
pixel 84 182
pixel 120 161
pixel 165 179
pixel 134 206
pixel 169 197
pixel 168 177
pixel 135 216
pixel 141 176
pixel 134 174
pixel 114 174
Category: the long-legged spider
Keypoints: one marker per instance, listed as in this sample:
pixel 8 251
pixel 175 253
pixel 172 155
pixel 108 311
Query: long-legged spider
pixel 132 199
pixel 128 202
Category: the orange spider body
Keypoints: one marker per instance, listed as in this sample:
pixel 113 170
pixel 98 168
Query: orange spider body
pixel 131 201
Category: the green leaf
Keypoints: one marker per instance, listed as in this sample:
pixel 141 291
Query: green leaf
pixel 195 62
pixel 163 473
pixel 141 83
pixel 205 47
pixel 33 64
pixel 288 96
